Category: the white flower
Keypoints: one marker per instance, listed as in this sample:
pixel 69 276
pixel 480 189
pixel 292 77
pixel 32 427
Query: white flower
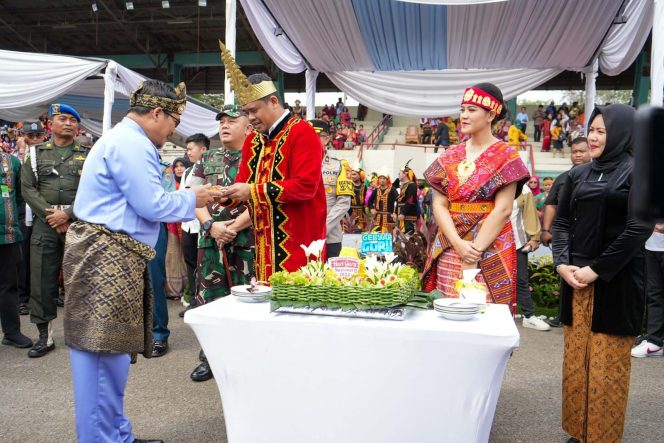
pixel 315 248
pixel 389 257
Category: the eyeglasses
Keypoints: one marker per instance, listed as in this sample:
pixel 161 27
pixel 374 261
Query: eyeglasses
pixel 175 119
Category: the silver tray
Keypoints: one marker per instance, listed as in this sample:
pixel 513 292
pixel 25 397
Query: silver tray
pixel 377 314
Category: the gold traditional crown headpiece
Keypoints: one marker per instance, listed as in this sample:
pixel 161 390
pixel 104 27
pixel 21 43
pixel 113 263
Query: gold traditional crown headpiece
pixel 240 84
pixel 176 105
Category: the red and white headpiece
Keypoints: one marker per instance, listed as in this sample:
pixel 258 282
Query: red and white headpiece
pixel 476 96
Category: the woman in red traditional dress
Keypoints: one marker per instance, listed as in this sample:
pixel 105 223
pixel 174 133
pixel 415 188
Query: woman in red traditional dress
pixel 474 185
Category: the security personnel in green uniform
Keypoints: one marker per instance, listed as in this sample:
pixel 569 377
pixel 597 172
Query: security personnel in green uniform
pixel 49 180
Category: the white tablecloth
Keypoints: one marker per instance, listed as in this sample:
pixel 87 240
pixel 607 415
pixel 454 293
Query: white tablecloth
pixel 288 378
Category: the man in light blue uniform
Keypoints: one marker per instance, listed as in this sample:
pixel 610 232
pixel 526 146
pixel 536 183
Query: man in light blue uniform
pixel 120 208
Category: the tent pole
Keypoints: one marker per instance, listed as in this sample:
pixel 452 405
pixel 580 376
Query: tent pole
pixel 657 57
pixel 591 89
pixel 110 79
pixel 231 32
pixel 310 77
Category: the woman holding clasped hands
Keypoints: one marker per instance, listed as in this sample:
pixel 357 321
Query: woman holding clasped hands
pixel 598 248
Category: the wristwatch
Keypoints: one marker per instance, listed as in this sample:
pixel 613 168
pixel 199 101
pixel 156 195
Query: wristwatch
pixel 207 226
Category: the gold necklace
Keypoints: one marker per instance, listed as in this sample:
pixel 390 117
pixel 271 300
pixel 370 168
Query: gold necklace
pixel 464 170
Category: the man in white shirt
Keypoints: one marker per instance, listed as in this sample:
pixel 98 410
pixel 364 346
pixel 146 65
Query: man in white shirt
pixel 197 144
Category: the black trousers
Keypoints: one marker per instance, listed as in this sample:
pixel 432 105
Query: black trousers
pixel 10 256
pixel 47 248
pixel 655 296
pixel 190 252
pixel 523 297
pixel 24 266
pixel 333 249
pixel 538 133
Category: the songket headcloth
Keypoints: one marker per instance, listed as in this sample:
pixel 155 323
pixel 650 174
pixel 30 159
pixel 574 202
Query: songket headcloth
pixel 476 96
pixel 175 106
pixel 240 84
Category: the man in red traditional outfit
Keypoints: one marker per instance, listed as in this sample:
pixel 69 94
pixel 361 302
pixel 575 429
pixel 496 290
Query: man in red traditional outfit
pixel 280 175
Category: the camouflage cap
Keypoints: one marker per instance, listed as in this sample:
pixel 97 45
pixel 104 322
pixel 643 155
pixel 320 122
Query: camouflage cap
pixel 233 111
pixel 33 127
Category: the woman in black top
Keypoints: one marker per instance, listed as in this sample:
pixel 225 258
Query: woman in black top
pixel 598 249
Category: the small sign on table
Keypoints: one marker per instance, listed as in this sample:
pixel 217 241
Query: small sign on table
pixel 345 267
pixel 379 243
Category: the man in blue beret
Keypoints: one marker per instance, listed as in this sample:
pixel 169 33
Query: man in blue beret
pixel 49 181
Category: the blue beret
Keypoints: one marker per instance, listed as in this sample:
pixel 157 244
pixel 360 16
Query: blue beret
pixel 61 108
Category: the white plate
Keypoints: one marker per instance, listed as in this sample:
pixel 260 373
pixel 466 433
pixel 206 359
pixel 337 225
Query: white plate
pixel 244 290
pixel 457 317
pixel 256 298
pixel 453 303
pixel 475 309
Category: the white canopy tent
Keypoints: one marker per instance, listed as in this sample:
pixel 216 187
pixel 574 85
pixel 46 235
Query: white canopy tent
pixel 30 82
pixel 415 57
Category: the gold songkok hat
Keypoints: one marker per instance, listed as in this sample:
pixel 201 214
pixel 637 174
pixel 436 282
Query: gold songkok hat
pixel 240 84
pixel 175 106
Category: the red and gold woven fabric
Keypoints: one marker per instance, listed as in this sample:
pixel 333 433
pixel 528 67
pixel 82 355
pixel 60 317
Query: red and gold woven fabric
pixel 471 201
pixel 288 204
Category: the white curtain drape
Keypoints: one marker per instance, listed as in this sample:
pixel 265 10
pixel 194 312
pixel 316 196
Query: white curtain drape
pixel 624 42
pixel 451 2
pixel 432 93
pixel 231 23
pixel 280 49
pixel 308 23
pixel 310 78
pixel 657 56
pixel 30 79
pixel 195 118
pixel 561 34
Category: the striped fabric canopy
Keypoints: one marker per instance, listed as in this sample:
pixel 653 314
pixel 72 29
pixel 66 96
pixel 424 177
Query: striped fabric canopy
pixel 415 57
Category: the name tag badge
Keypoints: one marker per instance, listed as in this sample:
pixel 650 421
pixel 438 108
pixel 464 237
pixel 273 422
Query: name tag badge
pixel 5 191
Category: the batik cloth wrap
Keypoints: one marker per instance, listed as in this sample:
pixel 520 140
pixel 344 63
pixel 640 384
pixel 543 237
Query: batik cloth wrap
pixel 109 298
pixel 596 372
pixel 470 204
pixel 220 268
pixel 288 204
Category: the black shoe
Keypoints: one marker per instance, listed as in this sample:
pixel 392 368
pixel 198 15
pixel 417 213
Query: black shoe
pixel 202 372
pixel 17 340
pixel 181 313
pixel 60 302
pixel 23 309
pixel 40 348
pixel 572 440
pixel 159 348
pixel 140 440
pixel 555 323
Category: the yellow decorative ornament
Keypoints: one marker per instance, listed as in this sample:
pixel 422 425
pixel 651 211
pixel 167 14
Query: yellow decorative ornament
pixel 240 84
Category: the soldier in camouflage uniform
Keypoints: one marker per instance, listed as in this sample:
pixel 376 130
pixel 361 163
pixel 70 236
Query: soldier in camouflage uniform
pixel 226 241
pixel 49 181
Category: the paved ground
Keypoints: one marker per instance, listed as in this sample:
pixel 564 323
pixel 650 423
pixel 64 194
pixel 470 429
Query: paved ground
pixel 37 404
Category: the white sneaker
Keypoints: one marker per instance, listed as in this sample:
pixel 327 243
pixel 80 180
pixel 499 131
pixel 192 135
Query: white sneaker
pixel 646 349
pixel 534 322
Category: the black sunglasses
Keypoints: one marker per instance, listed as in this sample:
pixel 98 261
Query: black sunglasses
pixel 177 120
